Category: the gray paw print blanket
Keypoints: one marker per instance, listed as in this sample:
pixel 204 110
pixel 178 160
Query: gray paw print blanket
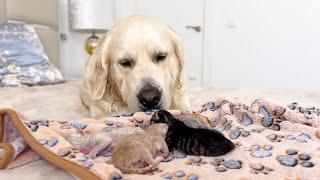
pixel 272 141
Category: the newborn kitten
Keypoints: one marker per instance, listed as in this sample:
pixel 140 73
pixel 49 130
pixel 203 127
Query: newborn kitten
pixel 200 142
pixel 141 152
pixel 94 143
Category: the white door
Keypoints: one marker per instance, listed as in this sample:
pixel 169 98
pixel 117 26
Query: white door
pixel 186 17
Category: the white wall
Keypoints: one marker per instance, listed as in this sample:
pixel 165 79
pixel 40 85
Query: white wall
pixel 264 43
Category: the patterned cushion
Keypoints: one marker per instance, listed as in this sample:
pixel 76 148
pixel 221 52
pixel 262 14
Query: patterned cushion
pixel 22 58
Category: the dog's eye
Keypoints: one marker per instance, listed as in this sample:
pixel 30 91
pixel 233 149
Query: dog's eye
pixel 161 56
pixel 126 63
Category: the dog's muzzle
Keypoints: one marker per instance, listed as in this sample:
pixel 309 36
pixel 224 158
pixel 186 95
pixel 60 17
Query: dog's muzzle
pixel 150 97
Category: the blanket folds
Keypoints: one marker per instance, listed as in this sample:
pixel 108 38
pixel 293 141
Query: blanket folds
pixel 272 141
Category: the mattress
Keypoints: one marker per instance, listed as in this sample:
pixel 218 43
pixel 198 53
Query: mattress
pixel 62 101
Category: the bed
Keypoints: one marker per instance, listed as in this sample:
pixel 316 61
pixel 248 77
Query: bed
pixel 62 101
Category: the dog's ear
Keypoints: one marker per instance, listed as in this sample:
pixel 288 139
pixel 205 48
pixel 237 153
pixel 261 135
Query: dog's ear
pixel 178 50
pixel 96 76
pixel 180 101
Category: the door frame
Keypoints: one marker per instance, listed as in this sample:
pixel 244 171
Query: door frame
pixel 207 53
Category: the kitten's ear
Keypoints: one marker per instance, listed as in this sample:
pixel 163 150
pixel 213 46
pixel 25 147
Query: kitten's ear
pixel 163 116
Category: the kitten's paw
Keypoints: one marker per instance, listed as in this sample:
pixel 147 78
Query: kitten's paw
pixel 168 158
pixel 85 151
pixel 162 153
pixel 140 164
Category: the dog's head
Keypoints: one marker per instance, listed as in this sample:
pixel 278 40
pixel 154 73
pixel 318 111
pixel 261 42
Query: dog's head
pixel 139 62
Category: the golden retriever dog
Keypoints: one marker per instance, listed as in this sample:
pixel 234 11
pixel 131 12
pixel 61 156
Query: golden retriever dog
pixel 137 66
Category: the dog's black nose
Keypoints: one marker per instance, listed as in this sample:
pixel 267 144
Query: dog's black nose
pixel 149 97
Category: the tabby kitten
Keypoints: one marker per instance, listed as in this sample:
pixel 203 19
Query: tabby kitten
pixel 191 141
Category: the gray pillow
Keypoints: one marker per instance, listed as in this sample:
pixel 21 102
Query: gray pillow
pixel 22 58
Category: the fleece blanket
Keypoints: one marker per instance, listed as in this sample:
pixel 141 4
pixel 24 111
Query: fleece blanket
pixel 273 141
